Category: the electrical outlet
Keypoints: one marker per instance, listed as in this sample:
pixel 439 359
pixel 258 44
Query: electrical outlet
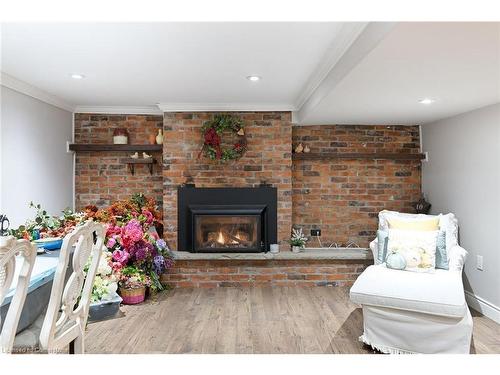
pixel 316 232
pixel 479 262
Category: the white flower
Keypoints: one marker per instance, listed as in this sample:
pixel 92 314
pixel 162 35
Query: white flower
pixel 104 268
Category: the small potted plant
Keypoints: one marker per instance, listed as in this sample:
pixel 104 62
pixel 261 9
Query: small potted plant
pixel 298 240
pixel 133 283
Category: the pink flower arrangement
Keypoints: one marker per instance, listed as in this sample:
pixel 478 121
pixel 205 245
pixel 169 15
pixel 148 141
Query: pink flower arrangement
pixel 134 244
pixel 121 256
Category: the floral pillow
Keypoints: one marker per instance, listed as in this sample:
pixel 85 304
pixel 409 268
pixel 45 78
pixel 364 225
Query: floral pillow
pixel 417 247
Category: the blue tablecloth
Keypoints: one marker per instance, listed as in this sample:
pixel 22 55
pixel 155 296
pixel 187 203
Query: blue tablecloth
pixel 39 289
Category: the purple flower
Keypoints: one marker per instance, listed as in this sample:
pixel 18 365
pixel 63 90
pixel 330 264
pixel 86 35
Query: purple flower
pixel 161 244
pixel 142 250
pixel 159 264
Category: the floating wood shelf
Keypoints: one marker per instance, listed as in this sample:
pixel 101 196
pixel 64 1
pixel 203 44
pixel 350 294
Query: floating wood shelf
pixel 80 147
pixel 133 162
pixel 338 155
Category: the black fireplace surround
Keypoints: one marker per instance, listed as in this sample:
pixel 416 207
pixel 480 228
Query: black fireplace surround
pixel 239 220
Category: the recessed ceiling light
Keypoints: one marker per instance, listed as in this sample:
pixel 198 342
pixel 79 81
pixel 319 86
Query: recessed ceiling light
pixel 77 76
pixel 426 101
pixel 253 78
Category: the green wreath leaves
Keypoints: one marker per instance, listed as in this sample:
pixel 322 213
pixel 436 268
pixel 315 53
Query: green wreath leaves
pixel 212 138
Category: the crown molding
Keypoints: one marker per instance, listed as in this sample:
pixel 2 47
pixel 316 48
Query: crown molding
pixel 348 33
pixel 119 110
pixel 29 90
pixel 224 107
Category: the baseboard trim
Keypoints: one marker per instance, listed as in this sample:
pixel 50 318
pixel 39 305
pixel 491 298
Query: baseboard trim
pixel 484 307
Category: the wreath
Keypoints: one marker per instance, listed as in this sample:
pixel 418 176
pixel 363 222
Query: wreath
pixel 212 138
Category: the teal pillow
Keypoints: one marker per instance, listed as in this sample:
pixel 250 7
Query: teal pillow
pixel 382 239
pixel 441 254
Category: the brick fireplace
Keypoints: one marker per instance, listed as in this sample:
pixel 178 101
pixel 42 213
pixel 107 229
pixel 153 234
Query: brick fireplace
pixel 341 196
pixel 268 159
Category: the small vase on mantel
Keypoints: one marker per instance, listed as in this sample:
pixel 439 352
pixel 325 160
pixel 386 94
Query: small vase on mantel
pixel 152 139
pixel 159 137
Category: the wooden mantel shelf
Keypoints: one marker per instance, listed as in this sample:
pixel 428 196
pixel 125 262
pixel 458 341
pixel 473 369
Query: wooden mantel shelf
pixel 339 155
pixel 80 147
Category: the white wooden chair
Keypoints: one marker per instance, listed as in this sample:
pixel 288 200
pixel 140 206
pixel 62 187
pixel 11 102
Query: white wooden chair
pixel 9 248
pixel 67 312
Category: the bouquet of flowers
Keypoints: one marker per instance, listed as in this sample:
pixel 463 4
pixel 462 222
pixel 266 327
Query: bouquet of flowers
pixel 132 239
pixel 105 282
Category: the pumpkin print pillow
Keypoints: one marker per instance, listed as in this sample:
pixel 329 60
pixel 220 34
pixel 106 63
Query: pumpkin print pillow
pixel 411 250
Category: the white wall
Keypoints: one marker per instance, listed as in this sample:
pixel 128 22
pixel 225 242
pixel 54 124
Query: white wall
pixel 463 177
pixel 34 163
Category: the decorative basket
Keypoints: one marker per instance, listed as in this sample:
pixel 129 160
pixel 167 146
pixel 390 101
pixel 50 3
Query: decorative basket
pixel 133 296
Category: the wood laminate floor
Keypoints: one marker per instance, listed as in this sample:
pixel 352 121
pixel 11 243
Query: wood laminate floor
pixel 248 320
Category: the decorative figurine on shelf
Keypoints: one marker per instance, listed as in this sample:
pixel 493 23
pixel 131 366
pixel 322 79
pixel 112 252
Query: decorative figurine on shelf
pixel 135 156
pixel 159 137
pixel 299 148
pixel 152 139
pixel 146 156
pixel 307 149
pixel 120 136
pixel 422 206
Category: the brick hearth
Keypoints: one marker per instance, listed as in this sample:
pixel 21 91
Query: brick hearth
pixel 328 267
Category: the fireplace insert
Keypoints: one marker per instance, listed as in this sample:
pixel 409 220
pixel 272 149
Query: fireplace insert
pixel 227 219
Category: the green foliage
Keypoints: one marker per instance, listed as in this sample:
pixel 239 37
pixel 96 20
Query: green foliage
pixel 68 214
pixel 139 199
pixel 223 122
pixel 211 153
pixel 213 130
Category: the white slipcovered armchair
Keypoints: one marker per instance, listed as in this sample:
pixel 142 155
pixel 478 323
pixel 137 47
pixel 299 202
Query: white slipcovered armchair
pixel 409 312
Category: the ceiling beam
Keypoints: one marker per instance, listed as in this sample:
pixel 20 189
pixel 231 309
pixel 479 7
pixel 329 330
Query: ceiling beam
pixel 356 42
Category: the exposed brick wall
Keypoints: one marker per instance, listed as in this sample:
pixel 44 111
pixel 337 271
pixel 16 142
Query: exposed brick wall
pixel 102 177
pixel 269 136
pixel 246 273
pixel 343 197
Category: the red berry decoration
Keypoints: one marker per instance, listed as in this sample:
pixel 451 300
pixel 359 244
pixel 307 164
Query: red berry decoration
pixel 212 141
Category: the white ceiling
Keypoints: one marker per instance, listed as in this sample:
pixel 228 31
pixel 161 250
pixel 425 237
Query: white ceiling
pixel 327 72
pixel 148 63
pixel 456 64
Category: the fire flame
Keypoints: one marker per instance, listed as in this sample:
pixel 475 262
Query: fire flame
pixel 220 239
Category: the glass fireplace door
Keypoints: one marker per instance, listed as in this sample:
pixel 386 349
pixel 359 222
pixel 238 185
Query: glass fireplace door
pixel 227 233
